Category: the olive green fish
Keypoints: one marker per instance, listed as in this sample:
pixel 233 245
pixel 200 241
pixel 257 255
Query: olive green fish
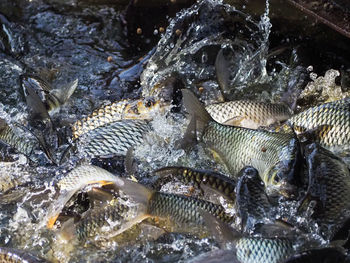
pixel 330 123
pixel 200 178
pixel 180 209
pixel 273 154
pixel 124 109
pixel 12 255
pixel 23 144
pixel 248 114
pixel 252 249
pixel 113 138
pixel 329 185
pixel 74 181
pixel 113 217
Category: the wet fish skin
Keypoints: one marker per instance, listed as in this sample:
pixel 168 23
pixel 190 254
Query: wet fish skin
pixel 75 180
pixel 331 121
pixel 216 181
pixel 251 200
pixel 92 222
pixel 251 249
pixel 273 154
pixel 23 145
pixel 329 184
pixel 184 209
pixel 261 250
pixel 179 208
pixel 114 139
pixel 11 255
pixel 124 109
pixel 248 114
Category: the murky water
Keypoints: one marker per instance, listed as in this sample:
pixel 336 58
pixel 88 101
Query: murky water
pixel 97 43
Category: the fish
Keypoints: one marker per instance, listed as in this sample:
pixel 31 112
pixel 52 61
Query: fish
pixel 75 180
pixel 252 203
pixel 329 185
pixel 251 249
pixel 330 123
pixel 248 114
pixel 180 209
pixel 114 138
pixel 52 98
pixel 275 155
pixel 113 216
pixel 12 255
pixel 26 145
pixel 116 111
pixel 200 178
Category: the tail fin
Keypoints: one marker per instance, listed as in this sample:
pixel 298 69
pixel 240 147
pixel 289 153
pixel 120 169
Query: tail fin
pixel 139 193
pixel 197 111
pixel 65 92
pixel 222 232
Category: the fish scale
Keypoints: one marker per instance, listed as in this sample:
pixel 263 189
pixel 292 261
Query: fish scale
pixel 329 184
pixel 259 113
pixel 241 147
pixel 115 138
pixel 331 120
pixel 262 250
pixel 89 225
pixel 22 144
pixel 113 112
pixel 184 209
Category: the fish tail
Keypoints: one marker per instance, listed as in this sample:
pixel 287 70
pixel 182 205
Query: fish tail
pixel 68 230
pixel 139 193
pixel 199 115
pixel 65 92
pixel 222 232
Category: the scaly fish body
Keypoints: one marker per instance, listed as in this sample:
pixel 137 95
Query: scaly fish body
pixel 262 250
pixel 216 181
pixel 329 184
pixel 11 255
pixel 22 144
pixel 331 121
pixel 116 111
pixel 252 202
pixel 114 138
pixel 273 154
pixel 184 209
pixel 75 180
pixel 113 216
pixel 248 114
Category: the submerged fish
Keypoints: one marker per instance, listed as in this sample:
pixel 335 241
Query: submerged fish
pixel 248 114
pixel 273 154
pixel 125 109
pixel 251 249
pixel 202 178
pixel 74 181
pixel 11 255
pixel 23 144
pixel 180 209
pixel 51 98
pixel 330 123
pixel 329 185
